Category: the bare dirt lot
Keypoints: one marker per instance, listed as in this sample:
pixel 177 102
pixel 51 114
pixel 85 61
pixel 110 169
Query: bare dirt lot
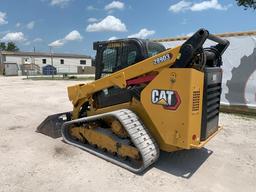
pixel 30 161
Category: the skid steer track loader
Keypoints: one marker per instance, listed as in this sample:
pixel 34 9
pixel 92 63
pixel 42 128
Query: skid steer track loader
pixel 145 99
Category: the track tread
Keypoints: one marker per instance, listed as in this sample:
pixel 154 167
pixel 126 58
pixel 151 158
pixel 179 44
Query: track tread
pixel 137 132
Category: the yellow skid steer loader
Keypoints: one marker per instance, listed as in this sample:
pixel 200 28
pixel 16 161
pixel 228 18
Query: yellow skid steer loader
pixel 145 99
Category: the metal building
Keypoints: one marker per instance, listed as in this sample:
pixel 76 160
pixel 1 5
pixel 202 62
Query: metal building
pixel 9 69
pixel 63 62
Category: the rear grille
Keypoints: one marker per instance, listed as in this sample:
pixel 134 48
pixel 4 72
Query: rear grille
pixel 196 100
pixel 211 101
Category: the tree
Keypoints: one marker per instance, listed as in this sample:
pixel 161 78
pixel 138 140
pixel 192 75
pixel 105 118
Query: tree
pixel 247 3
pixel 10 46
pixel 2 46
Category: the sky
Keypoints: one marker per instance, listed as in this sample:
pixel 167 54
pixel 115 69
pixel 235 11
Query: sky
pixel 71 26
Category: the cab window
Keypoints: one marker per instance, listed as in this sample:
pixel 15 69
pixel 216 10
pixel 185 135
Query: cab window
pixel 131 54
pixel 131 57
pixel 154 48
pixel 110 59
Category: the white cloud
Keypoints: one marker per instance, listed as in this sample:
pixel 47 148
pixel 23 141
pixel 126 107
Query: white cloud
pixel 114 5
pixel 57 43
pixel 31 25
pixel 110 23
pixel 184 5
pixel 91 8
pixel 27 43
pixel 37 40
pixel 14 37
pixel 73 36
pixel 211 4
pixel 18 24
pixel 143 33
pixel 3 18
pixel 189 34
pixel 92 20
pixel 112 38
pixel 186 34
pixel 59 3
pixel 180 6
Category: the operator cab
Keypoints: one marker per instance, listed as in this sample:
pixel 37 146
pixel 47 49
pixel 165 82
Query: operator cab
pixel 115 55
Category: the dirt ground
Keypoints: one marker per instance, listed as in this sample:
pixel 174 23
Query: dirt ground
pixel 30 161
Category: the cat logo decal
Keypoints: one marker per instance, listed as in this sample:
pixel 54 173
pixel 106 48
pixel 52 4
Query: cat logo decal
pixel 167 98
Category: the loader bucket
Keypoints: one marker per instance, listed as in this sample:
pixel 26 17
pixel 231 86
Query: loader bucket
pixel 51 126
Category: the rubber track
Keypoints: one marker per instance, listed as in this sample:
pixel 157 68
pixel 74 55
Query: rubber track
pixel 138 133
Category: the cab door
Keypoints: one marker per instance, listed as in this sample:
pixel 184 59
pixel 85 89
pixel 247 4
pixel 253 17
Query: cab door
pixel 114 56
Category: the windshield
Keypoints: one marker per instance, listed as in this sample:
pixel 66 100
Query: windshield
pixel 154 48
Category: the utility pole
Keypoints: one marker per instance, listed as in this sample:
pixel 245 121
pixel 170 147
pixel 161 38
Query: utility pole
pixel 52 71
pixel 33 62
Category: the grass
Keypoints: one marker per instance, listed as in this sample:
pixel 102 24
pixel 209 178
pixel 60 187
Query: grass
pixel 71 78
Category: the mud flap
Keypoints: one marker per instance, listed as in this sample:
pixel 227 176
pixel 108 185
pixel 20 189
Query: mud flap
pixel 51 126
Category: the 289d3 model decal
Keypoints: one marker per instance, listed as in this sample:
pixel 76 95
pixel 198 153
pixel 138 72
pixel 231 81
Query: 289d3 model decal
pixel 162 59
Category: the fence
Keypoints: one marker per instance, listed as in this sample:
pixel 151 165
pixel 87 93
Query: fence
pixel 36 70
